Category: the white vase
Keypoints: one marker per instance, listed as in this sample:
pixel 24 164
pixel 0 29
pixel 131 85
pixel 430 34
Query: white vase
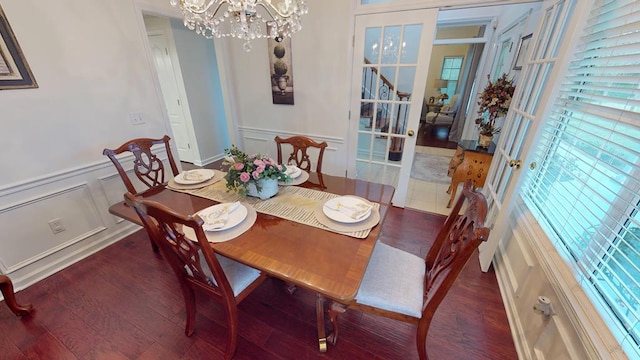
pixel 268 188
pixel 485 140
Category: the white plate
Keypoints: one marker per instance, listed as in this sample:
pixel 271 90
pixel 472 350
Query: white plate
pixel 293 171
pixel 235 217
pixel 198 175
pixel 341 217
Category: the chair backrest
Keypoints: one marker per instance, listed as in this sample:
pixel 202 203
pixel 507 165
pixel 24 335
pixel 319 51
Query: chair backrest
pixel 456 242
pixel 299 154
pixel 165 227
pixel 147 166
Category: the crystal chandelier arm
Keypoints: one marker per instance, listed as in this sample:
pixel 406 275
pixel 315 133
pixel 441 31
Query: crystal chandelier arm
pixel 266 5
pixel 270 9
pixel 202 9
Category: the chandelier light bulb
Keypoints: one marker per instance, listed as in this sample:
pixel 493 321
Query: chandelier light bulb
pixel 243 19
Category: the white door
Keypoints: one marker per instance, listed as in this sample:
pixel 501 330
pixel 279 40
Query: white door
pixel 538 74
pixel 390 64
pixel 167 78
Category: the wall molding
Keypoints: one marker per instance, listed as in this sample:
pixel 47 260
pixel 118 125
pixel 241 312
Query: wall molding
pixel 274 133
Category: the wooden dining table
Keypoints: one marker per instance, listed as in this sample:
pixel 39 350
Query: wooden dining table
pixel 327 263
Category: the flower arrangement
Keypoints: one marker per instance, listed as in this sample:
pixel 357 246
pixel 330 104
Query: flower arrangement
pixel 495 99
pixel 243 169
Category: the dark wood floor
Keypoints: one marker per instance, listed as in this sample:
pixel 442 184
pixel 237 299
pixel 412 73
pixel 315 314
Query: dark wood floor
pixel 124 303
pixel 435 136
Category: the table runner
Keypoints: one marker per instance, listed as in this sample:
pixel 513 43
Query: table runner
pixel 292 203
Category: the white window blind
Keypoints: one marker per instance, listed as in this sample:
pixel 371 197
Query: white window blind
pixel 586 189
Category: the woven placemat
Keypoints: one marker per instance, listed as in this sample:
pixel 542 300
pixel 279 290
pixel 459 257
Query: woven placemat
pixel 292 203
pixel 218 175
pixel 364 224
pixel 228 234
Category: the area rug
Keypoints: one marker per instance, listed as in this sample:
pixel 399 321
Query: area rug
pixel 431 168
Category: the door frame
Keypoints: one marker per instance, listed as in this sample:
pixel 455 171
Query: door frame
pixel 182 95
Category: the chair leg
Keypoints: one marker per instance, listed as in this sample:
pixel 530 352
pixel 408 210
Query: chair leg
pixel 232 330
pixel 6 286
pixel 190 306
pixel 334 310
pixel 154 246
pixel 421 339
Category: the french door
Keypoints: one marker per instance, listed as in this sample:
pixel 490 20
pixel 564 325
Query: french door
pixel 390 64
pixel 533 89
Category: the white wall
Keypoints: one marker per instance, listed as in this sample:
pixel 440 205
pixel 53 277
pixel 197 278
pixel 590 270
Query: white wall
pixel 321 65
pixel 92 72
pixel 89 61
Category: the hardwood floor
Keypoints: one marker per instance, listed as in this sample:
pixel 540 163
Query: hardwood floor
pixel 124 303
pixel 435 136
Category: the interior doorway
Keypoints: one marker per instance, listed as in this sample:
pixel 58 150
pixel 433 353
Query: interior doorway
pixel 456 54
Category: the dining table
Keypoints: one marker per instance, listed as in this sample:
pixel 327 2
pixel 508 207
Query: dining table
pixel 329 263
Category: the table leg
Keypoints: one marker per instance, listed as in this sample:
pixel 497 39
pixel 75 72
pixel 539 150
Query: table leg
pixel 335 309
pixel 322 338
pixel 6 286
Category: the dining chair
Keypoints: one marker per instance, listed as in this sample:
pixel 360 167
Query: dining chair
pixel 299 155
pixel 405 287
pixel 196 264
pixel 148 168
pixel 6 286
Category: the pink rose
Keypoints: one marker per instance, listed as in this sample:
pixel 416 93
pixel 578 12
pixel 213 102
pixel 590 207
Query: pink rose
pixel 239 166
pixel 259 163
pixel 260 169
pixel 244 177
pixel 256 175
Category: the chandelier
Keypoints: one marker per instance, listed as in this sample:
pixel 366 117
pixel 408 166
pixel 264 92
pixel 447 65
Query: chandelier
pixel 243 19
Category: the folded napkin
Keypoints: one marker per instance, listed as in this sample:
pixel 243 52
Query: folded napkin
pixel 192 175
pixel 293 171
pixel 355 210
pixel 217 218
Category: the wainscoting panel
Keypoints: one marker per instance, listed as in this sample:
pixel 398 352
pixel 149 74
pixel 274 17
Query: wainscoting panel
pixel 522 280
pixel 79 198
pixel 29 236
pixel 262 141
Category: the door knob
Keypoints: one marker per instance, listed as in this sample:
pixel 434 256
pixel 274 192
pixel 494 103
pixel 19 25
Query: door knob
pixel 410 133
pixel 515 163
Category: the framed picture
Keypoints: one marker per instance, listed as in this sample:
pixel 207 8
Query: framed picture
pixel 281 70
pixel 523 49
pixel 14 70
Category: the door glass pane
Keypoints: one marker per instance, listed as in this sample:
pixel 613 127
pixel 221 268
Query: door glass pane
pixel 387 85
pixel 410 44
pixel 391 44
pixel 406 77
pixel 372 45
pixel 369 82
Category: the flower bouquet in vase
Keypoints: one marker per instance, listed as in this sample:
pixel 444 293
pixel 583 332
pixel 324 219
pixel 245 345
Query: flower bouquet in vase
pixel 254 175
pixel 494 103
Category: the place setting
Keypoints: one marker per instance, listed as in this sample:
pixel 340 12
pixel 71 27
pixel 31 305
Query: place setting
pixel 195 179
pixel 347 214
pixel 297 175
pixel 225 221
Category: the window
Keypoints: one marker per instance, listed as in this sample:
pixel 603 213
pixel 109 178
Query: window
pixel 451 67
pixel 586 190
